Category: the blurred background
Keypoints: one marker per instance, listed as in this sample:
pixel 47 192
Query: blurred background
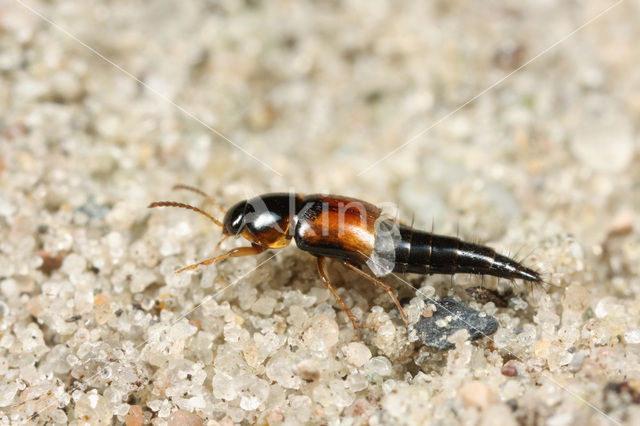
pixel 320 92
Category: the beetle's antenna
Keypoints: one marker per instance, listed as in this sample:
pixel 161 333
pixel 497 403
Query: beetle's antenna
pixel 184 206
pixel 204 194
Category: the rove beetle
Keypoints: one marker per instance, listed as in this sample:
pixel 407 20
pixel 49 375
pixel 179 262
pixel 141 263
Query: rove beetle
pixel 354 232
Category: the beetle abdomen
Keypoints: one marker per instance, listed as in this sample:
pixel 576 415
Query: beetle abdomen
pixel 426 253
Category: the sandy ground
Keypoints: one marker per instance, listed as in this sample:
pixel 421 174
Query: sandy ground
pixel 520 125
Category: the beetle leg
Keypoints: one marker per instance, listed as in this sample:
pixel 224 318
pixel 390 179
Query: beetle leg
pixel 236 252
pixel 381 285
pixel 323 273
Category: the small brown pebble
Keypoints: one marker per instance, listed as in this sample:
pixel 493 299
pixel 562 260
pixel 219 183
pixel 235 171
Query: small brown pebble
pixel 509 370
pixel 184 418
pixel 134 417
pixel 51 262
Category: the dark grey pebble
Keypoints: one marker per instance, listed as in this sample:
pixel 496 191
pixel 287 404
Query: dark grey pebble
pixel 449 317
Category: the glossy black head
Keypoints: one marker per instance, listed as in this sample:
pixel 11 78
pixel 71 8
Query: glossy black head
pixel 264 220
pixel 233 222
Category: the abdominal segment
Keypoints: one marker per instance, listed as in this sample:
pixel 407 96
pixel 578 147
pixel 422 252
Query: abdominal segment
pixel 426 253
